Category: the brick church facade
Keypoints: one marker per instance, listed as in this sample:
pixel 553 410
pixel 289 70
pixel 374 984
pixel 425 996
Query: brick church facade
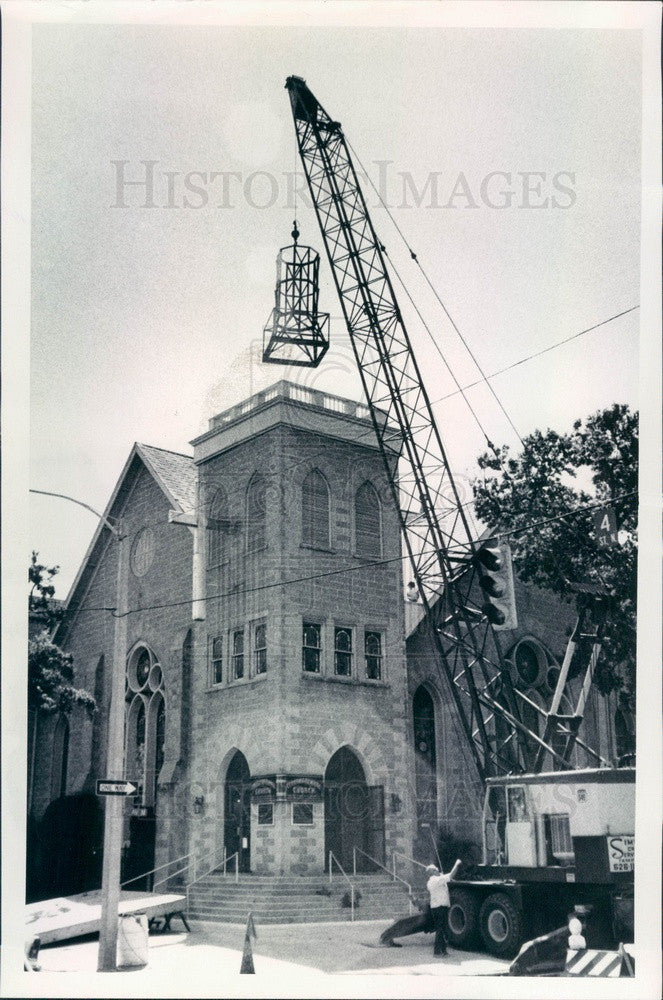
pixel 282 701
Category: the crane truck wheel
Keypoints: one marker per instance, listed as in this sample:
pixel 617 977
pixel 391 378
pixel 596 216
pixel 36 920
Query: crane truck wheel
pixel 500 924
pixel 463 919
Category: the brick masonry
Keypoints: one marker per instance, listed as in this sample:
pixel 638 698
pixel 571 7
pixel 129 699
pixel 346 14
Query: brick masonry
pixel 285 721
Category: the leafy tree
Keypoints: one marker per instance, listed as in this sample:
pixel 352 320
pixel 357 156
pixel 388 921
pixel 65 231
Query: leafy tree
pixel 41 600
pixel 50 670
pixel 554 475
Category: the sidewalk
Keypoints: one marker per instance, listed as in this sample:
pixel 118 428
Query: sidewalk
pixel 281 951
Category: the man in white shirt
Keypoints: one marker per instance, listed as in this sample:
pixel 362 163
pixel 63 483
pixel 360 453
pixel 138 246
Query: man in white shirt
pixel 438 889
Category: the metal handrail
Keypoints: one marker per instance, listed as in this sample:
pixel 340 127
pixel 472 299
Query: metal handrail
pixel 376 862
pixel 399 854
pixel 189 864
pixel 197 878
pixel 152 871
pixel 332 857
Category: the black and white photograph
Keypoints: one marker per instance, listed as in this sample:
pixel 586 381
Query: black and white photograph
pixel 331 499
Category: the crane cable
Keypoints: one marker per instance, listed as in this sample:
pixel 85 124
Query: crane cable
pixel 436 294
pixel 484 377
pixel 437 348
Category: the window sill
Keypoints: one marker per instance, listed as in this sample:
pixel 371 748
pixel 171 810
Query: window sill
pixel 339 679
pixel 242 682
pixel 318 548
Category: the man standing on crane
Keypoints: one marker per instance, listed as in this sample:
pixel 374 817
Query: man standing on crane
pixel 438 890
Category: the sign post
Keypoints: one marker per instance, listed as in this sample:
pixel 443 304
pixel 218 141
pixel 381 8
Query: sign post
pixel 110 883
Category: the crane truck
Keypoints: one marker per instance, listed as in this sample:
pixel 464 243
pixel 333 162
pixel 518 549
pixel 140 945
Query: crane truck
pixel 553 836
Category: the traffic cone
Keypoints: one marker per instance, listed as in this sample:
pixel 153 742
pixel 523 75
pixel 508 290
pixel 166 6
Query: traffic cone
pixel 247 954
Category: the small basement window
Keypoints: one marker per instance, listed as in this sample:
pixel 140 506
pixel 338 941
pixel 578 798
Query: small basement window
pixel 265 814
pixel 302 814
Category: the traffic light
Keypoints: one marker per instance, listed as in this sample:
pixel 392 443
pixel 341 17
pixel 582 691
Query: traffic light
pixel 495 572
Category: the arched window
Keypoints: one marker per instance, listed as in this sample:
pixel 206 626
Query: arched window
pixel 154 746
pixel 60 758
pixel 217 525
pixel 185 726
pixel 368 542
pixel 98 754
pixel 256 511
pixel 315 510
pixel 146 718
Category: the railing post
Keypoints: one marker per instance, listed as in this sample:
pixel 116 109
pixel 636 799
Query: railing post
pixel 393 866
pixel 224 858
pixel 237 867
pixel 193 868
pixel 354 861
pixel 352 902
pixel 330 867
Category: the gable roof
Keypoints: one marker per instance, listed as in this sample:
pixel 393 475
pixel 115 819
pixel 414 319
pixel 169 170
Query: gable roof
pixel 177 477
pixel 175 473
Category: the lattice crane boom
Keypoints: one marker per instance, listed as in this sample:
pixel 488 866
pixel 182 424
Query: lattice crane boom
pixel 437 536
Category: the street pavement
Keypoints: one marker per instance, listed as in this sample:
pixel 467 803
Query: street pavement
pixel 282 951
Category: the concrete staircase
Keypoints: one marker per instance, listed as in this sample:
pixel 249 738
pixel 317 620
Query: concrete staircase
pixel 295 899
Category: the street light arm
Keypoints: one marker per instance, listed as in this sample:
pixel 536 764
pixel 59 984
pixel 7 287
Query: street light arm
pixel 63 496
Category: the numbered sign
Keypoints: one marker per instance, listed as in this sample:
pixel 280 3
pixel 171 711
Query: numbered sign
pixel 621 853
pixel 605 526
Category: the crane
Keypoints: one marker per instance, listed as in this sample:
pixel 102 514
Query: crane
pixel 538 859
pixel 447 561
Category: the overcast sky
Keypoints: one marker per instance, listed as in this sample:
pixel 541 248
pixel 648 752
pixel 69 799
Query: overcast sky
pixel 146 321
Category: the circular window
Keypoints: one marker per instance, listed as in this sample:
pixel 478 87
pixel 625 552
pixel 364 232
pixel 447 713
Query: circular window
pixel 139 669
pixel 530 663
pixel 142 551
pixel 552 676
pixel 527 664
pixel 156 677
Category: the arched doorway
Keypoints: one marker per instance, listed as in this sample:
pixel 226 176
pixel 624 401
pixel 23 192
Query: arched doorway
pixel 425 769
pixel 354 813
pixel 237 811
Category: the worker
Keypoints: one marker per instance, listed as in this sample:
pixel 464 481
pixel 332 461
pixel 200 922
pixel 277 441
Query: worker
pixel 438 890
pixel 412 593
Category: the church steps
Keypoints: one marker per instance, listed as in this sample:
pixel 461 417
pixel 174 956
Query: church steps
pixel 294 900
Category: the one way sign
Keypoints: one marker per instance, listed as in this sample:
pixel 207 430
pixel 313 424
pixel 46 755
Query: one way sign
pixel 106 786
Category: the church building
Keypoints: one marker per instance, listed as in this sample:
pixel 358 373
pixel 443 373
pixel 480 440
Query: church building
pixel 284 710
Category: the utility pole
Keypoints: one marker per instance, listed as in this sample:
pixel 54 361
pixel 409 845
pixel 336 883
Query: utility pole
pixel 114 810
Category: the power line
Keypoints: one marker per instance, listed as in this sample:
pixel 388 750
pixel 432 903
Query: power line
pixel 576 510
pixel 249 590
pixel 343 569
pixel 545 350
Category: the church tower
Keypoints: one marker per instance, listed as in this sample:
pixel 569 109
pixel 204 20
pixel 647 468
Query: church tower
pixel 299 697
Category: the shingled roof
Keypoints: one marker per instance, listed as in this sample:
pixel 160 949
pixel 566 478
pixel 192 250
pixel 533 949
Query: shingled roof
pixel 176 476
pixel 175 473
